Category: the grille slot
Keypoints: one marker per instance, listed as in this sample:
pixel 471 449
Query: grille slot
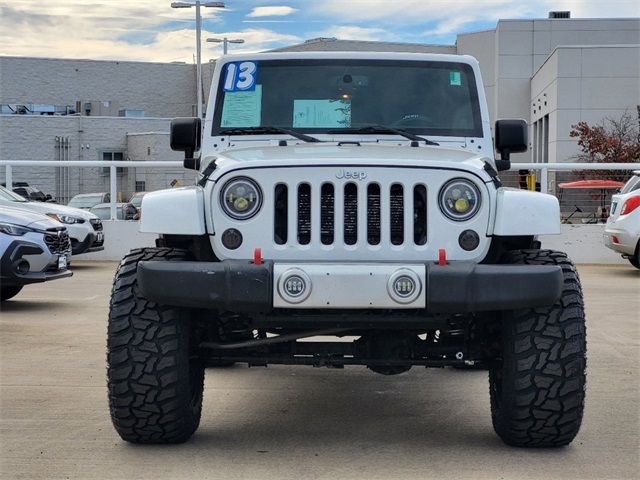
pixel 350 214
pixel 396 204
pixel 327 212
pixel 57 241
pixel 281 199
pixel 420 215
pixel 373 214
pixel 304 214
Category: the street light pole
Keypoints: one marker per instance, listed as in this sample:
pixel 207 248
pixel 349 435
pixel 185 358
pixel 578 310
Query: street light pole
pixel 225 42
pixel 199 59
pixel 197 4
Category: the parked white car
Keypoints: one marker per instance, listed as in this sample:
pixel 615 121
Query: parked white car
pixel 85 228
pixel 34 248
pixel 622 233
pixel 88 200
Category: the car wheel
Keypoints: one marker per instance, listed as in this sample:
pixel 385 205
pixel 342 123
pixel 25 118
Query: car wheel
pixel 538 389
pixel 155 381
pixel 635 260
pixel 7 293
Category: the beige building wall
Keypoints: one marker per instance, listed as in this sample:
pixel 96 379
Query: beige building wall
pixel 28 137
pixel 160 89
pixel 582 83
pixel 521 47
pixel 153 146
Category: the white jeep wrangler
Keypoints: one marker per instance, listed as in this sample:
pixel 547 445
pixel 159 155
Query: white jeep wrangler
pixel 348 195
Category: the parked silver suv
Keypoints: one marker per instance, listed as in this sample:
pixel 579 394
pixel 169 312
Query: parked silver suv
pixel 33 248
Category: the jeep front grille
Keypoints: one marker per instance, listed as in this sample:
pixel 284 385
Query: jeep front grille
pixel 360 216
pixel 57 241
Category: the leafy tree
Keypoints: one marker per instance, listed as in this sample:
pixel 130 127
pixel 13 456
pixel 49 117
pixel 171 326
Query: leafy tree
pixel 611 141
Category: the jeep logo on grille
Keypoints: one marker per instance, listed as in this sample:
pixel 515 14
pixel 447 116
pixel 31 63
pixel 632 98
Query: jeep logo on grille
pixel 351 174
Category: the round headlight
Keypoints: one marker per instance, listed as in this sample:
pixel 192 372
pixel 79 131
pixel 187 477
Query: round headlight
pixel 459 199
pixel 241 198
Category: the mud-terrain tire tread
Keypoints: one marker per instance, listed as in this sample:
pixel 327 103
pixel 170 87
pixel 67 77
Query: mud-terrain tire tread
pixel 537 394
pixel 155 387
pixel 7 293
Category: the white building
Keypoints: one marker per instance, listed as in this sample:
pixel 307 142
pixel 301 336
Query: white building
pixel 552 72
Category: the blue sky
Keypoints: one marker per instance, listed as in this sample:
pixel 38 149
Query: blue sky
pixel 150 30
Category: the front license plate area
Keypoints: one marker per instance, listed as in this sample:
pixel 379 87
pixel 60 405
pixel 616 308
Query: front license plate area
pixel 62 262
pixel 350 286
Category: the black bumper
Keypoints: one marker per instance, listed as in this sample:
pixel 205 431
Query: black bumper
pixel 239 286
pixel 10 275
pixel 88 245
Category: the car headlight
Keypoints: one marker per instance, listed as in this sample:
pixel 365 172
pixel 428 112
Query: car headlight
pixel 14 230
pixel 241 198
pixel 67 219
pixel 459 199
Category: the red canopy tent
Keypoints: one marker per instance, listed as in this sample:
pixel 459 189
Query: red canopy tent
pixel 596 184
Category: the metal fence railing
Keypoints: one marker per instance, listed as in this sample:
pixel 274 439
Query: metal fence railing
pixel 584 190
pixel 113 166
pixel 580 205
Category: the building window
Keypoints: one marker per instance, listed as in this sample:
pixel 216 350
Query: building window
pixel 141 186
pixel 540 153
pixel 112 156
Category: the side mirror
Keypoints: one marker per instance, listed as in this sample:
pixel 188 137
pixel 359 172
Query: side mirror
pixel 511 137
pixel 185 137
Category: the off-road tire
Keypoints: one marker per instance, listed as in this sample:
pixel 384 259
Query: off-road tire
pixel 155 383
pixel 7 293
pixel 538 390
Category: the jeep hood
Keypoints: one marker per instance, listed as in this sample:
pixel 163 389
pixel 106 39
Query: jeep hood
pixel 334 153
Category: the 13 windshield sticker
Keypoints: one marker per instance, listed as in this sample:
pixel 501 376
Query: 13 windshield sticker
pixel 240 77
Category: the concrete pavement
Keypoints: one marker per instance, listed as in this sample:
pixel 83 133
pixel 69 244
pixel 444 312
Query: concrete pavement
pixel 299 422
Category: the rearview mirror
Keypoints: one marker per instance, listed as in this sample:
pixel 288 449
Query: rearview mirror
pixel 185 137
pixel 511 137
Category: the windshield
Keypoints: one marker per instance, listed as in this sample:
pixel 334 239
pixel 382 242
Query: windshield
pixel 7 194
pixel 631 185
pixel 321 96
pixel 85 202
pixel 136 200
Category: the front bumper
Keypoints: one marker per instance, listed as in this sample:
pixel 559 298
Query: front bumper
pixel 93 242
pixel 241 286
pixel 19 250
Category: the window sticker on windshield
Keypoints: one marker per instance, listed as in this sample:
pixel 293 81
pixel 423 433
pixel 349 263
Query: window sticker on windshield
pixel 240 77
pixel 242 109
pixel 455 79
pixel 322 113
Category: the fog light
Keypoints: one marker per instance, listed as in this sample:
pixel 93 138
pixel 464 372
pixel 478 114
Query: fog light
pixel 469 240
pixel 294 285
pixel 404 286
pixel 231 238
pixel 21 266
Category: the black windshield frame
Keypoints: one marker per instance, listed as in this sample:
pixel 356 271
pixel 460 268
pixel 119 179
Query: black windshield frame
pixel 476 131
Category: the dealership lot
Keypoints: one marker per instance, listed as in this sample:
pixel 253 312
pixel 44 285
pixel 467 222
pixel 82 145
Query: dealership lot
pixel 299 422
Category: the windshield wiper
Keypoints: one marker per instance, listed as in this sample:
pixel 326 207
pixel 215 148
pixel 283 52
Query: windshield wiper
pixel 372 129
pixel 264 130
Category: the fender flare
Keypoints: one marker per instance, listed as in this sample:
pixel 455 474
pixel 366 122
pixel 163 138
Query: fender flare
pixel 176 211
pixel 522 212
